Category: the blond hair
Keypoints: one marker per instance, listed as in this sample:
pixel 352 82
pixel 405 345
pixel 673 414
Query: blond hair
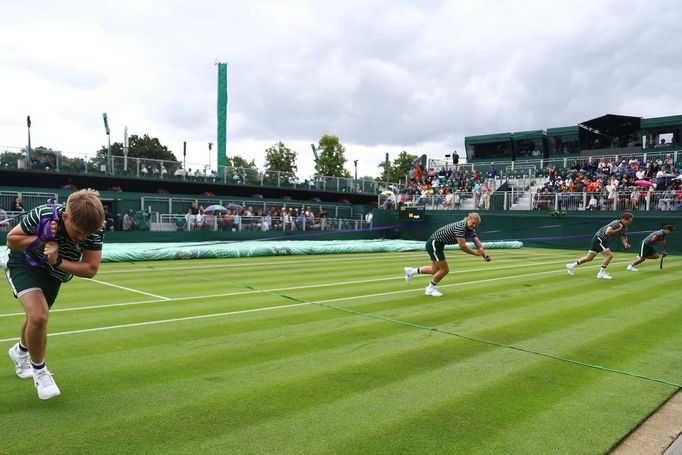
pixel 473 216
pixel 85 211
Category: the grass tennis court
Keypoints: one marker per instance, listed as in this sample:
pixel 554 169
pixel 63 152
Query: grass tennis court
pixel 335 354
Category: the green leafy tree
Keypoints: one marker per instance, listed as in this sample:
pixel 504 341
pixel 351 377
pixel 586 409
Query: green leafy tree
pixel 144 147
pixel 332 157
pixel 399 169
pixel 280 158
pixel 238 161
pixel 8 160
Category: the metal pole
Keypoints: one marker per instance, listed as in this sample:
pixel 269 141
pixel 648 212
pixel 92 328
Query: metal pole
pixel 28 154
pixel 106 128
pixel 125 150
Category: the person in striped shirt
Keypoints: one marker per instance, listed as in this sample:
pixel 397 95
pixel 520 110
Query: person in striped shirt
pixel 600 244
pixel 450 234
pixel 49 246
pixel 647 251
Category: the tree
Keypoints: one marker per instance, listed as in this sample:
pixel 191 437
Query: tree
pixel 139 147
pixel 238 161
pixel 280 158
pixel 332 157
pixel 400 169
pixel 8 160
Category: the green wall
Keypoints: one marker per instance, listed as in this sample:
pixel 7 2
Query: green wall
pixel 539 229
pixel 534 229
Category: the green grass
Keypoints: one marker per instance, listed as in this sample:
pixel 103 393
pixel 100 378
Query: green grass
pixel 343 358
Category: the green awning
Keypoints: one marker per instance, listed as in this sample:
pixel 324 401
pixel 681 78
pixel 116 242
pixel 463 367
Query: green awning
pixel 533 134
pixel 662 122
pixel 488 138
pixel 563 131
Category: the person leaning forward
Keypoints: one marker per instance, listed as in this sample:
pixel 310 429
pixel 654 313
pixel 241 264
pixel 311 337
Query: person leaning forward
pixel 50 245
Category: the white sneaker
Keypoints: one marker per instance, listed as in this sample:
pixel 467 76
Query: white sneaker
pixel 45 384
pixel 432 292
pixel 604 276
pixel 632 268
pixel 22 363
pixel 409 273
pixel 569 268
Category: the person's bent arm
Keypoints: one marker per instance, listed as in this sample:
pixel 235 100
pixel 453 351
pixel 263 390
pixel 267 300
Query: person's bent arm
pixel 18 240
pixel 480 249
pixel 464 247
pixel 87 267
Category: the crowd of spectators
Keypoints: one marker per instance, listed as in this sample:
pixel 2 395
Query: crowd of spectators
pixel 450 184
pixel 237 218
pixel 611 184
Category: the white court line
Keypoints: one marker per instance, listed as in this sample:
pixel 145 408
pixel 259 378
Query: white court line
pixel 127 289
pixel 291 288
pixel 260 264
pixel 279 307
pixel 278 263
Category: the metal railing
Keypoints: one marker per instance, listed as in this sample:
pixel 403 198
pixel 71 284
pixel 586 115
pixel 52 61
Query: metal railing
pixel 167 205
pixel 237 223
pixel 637 200
pixel 51 161
pixel 29 199
pixel 9 219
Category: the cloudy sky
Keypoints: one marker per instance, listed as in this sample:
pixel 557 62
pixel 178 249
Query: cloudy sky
pixel 383 76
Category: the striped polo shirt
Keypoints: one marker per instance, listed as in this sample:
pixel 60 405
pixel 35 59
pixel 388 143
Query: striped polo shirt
pixel 69 250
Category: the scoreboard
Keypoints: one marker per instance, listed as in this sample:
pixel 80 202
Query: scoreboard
pixel 412 215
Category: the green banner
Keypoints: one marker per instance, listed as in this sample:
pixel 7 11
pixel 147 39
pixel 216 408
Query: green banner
pixel 222 118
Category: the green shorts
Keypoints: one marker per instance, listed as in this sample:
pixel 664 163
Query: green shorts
pixel 646 250
pixel 24 278
pixel 598 245
pixel 435 250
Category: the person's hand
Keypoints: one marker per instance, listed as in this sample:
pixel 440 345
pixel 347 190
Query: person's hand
pixel 51 252
pixel 54 227
pixel 627 246
pixel 665 253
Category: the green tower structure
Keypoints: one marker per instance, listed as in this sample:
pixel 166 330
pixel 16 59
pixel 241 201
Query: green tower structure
pixel 222 118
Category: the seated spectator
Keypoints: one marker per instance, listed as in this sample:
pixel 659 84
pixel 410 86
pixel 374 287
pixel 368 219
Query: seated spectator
pixel 593 203
pixel 228 221
pixel 17 205
pixel 199 219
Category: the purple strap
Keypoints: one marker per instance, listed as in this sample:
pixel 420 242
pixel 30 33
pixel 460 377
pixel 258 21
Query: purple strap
pixel 43 234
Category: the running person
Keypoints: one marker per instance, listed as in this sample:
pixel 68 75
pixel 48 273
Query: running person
pixel 600 244
pixel 647 251
pixel 41 256
pixel 454 233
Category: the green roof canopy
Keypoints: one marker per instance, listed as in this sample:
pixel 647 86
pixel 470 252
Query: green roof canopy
pixel 563 131
pixel 533 134
pixel 488 138
pixel 660 122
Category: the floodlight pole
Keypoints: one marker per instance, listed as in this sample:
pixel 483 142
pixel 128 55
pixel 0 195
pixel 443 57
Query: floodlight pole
pixel 106 128
pixel 125 149
pixel 387 168
pixel 28 153
pixel 317 162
